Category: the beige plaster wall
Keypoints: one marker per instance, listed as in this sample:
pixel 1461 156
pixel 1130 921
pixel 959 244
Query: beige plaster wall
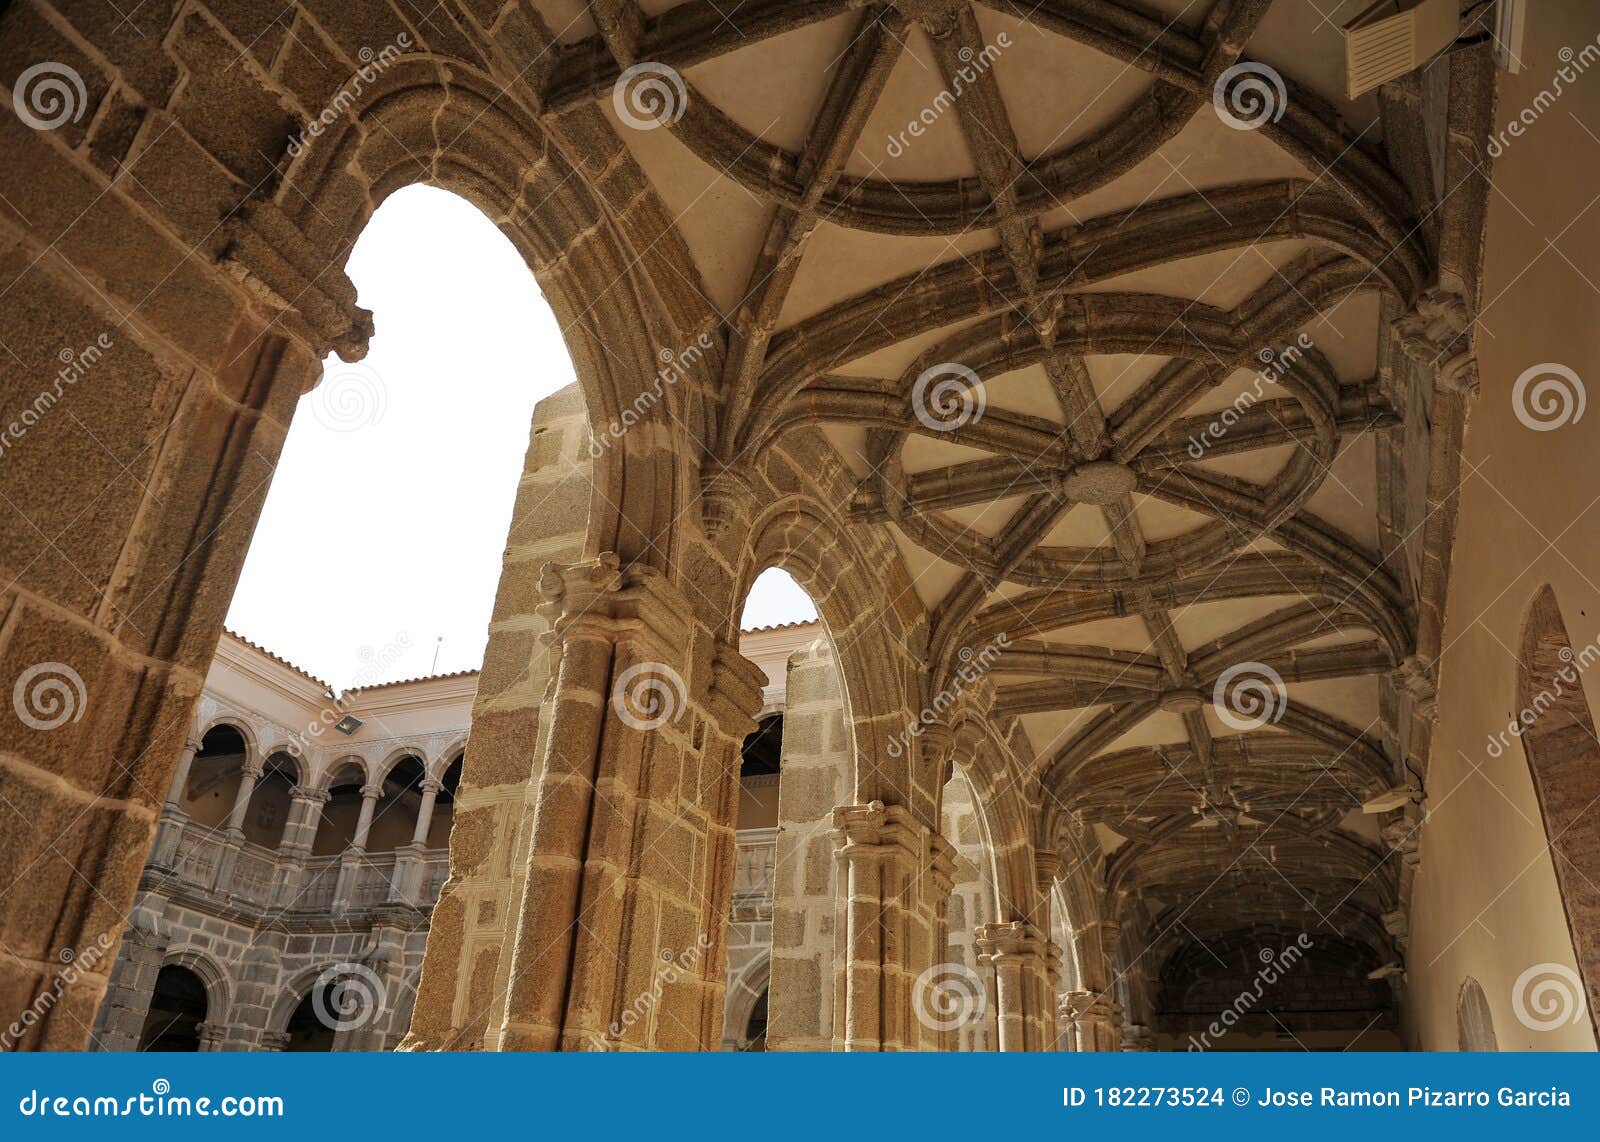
pixel 1486 902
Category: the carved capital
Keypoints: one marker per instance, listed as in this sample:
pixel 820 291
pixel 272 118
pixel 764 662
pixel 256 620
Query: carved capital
pixel 1437 333
pixel 1016 940
pixel 891 832
pixel 1418 678
pixel 289 275
pixel 726 499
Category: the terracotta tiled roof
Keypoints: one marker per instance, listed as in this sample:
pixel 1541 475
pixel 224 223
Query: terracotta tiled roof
pixel 781 626
pixel 278 658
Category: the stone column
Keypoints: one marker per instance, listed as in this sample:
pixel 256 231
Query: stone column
pixel 1095 1021
pixel 815 778
pixel 466 969
pixel 212 1035
pixel 1019 955
pixel 406 887
pixel 369 803
pixel 169 827
pixel 618 860
pixel 1138 1038
pixel 1095 1016
pixel 299 832
pixel 235 828
pixel 894 872
pixel 354 855
pixel 132 980
pixel 731 705
pixel 273 1041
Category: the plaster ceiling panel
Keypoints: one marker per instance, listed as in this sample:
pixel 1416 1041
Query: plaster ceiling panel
pixel 1110 841
pixel 1124 633
pixel 1160 520
pixel 839 263
pixel 1052 729
pixel 924 452
pixel 893 361
pixel 850 441
pixel 1354 700
pixel 1200 623
pixel 1160 728
pixel 1118 376
pixel 1083 526
pixel 720 221
pixel 931 578
pixel 888 148
pixel 773 87
pixel 1205 155
pixel 568 20
pixel 1348 336
pixel 1259 466
pixel 1243 385
pixel 1023 390
pixel 986 519
pixel 1056 91
pixel 1222 279
pixel 1348 497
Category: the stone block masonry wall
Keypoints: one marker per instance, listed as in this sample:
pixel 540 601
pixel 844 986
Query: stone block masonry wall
pixel 462 1000
pixel 818 746
pixel 256 975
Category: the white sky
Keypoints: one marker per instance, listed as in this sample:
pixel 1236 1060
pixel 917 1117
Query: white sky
pixel 387 517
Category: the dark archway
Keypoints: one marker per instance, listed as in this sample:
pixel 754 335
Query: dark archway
pixel 306 1030
pixel 177 1008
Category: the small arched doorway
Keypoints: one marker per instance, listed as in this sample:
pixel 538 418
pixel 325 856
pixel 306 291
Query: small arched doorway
pixel 177 1008
pixel 306 1030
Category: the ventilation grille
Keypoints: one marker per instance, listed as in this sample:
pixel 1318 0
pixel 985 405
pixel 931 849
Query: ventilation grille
pixel 1394 37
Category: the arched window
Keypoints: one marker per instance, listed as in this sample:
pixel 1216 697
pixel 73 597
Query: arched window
pixel 214 777
pixel 755 1030
pixel 268 815
pixel 1558 736
pixel 177 1008
pixel 1474 1024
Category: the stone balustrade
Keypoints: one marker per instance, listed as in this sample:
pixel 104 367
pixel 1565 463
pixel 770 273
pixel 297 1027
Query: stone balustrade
pixel 241 874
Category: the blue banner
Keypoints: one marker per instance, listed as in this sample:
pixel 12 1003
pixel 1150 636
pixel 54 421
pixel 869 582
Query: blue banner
pixel 777 1096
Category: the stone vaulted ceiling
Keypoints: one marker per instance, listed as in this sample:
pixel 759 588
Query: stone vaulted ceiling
pixel 1090 298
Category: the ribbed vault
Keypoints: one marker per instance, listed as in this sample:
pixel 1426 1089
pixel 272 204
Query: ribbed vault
pixel 1109 366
